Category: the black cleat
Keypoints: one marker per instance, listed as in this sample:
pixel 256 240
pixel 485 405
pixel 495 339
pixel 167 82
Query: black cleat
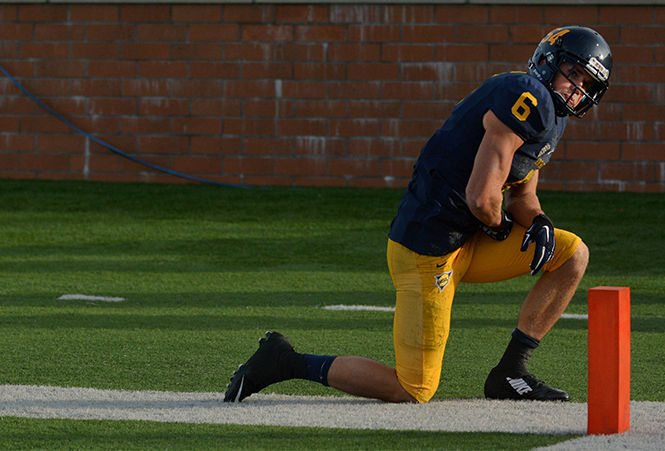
pixel 267 366
pixel 522 387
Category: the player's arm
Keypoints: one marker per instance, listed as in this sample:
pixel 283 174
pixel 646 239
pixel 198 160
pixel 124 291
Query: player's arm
pixel 491 167
pixel 524 206
pixel 522 202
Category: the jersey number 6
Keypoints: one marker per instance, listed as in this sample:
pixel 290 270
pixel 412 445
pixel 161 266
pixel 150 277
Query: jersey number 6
pixel 521 109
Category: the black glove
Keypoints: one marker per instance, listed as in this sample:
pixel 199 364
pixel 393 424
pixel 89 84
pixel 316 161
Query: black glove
pixel 501 231
pixel 541 233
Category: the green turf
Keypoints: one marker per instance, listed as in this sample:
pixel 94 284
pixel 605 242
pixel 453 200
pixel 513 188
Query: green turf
pixel 206 270
pixel 68 434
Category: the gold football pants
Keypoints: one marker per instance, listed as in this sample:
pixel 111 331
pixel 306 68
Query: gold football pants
pixel 425 287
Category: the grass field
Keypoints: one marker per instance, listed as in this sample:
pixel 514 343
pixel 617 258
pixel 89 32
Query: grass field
pixel 206 271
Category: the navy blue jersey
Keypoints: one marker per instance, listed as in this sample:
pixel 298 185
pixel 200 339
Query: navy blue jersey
pixel 433 218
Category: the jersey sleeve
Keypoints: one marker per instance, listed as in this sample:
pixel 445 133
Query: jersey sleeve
pixel 525 106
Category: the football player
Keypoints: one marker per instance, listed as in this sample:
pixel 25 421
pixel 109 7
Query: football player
pixel 471 214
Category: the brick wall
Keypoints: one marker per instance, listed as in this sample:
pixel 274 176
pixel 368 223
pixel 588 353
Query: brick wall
pixel 295 94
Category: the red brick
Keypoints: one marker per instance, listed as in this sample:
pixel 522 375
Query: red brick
pixel 197 126
pixel 115 69
pixel 144 87
pixel 196 51
pixel 373 71
pixel 251 51
pixel 462 52
pixel 111 106
pixel 410 91
pixel 570 170
pixel 45 162
pixel 43 124
pixel 303 89
pixel 210 145
pixel 55 143
pixel 319 146
pixel 162 69
pixel 302 127
pixel 197 165
pixel 374 109
pixel 355 127
pixel 110 32
pixel 321 108
pixel 560 15
pixel 256 126
pixel 252 70
pixel 196 13
pixel 93 13
pixel 353 90
pixel 374 33
pixel 47 32
pixel 198 88
pixel 267 33
pixel 8 13
pixel 629 171
pixel 643 151
pixel 408 14
pixel 163 107
pixel 300 52
pixel 256 88
pixel 267 146
pixel 592 150
pixel 159 32
pixel 249 13
pixel 319 71
pixel 165 145
pixel 90 88
pixel 428 33
pixel 324 33
pixel 145 13
pixel 301 166
pixel 16 142
pixel 143 51
pixel 146 125
pixel 482 33
pixel 66 68
pixel 633 14
pixel 94 50
pixel 214 32
pixel 439 72
pixel 42 13
pixel 358 13
pixel 518 14
pixel 301 13
pixel 216 107
pixel 354 167
pixel 461 14
pixel 54 50
pixel 249 165
pixel 408 52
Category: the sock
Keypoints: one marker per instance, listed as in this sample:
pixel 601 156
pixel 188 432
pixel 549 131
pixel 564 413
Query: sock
pixel 317 367
pixel 514 360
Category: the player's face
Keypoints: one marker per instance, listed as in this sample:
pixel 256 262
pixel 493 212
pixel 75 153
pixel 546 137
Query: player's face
pixel 574 84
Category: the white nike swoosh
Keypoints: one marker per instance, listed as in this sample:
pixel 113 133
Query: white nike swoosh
pixel 242 381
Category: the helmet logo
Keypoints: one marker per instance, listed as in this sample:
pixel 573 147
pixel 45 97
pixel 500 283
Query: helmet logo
pixel 596 68
pixel 553 35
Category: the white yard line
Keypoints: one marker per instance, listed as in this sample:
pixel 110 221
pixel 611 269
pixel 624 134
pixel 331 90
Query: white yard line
pixel 374 308
pixel 472 415
pixel 85 297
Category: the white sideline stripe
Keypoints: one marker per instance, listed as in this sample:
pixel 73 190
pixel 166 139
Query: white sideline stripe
pixel 375 308
pixel 471 415
pixel 85 297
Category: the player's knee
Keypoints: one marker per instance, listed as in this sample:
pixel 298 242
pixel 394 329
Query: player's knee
pixel 581 257
pixel 418 393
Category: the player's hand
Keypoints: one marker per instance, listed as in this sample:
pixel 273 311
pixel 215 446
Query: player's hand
pixel 541 233
pixel 501 231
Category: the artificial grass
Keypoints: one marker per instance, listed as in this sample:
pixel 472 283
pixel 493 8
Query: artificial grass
pixel 206 271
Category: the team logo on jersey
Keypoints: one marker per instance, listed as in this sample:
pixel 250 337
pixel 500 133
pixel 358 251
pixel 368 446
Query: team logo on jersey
pixel 443 279
pixel 546 149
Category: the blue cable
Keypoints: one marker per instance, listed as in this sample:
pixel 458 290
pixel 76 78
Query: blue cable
pixel 110 147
